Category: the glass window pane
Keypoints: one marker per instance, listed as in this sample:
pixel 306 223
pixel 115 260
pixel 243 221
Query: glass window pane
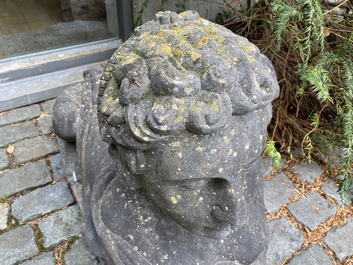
pixel 31 26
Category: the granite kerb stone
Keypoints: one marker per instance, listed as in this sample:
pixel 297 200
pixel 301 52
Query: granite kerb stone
pixel 26 177
pixel 15 132
pixel 20 114
pixel 42 201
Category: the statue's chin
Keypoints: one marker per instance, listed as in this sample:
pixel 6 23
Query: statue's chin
pixel 216 233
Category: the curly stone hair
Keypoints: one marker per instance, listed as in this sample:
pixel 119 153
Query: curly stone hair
pixel 180 72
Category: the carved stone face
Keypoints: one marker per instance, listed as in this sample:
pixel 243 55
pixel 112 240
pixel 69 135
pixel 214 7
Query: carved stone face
pixel 193 178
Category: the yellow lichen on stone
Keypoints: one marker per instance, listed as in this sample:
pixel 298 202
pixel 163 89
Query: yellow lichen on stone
pixel 199 148
pixel 167 50
pixel 247 48
pixel 177 52
pixel 127 60
pixel 151 44
pixel 250 59
pixel 226 139
pixel 195 55
pixel 178 119
pixel 202 42
pixel 175 144
pixel 215 106
pixel 174 200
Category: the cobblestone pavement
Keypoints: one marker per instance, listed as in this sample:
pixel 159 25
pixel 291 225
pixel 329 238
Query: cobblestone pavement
pixel 40 220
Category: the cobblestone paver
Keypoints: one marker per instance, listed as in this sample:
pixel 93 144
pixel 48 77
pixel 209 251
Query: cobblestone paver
pixel 44 259
pixel 13 133
pixel 278 191
pixel 29 176
pixel 34 148
pixel 285 239
pixel 4 159
pixel 308 171
pixel 20 114
pixel 4 214
pixel 80 254
pixel 40 219
pixel 61 225
pixel 313 255
pixel 317 210
pixel 41 201
pixel 17 245
pixel 340 240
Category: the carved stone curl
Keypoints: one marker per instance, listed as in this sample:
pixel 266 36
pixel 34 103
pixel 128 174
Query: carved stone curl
pixel 183 105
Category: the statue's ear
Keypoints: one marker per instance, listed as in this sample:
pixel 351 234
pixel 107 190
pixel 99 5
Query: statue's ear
pixel 135 160
pixel 131 162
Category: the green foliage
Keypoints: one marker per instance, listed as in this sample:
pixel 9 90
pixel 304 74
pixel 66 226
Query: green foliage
pixel 138 20
pixel 311 47
pixel 319 67
pixel 182 6
pixel 272 152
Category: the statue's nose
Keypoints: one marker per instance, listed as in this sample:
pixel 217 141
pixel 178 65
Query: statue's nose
pixel 225 207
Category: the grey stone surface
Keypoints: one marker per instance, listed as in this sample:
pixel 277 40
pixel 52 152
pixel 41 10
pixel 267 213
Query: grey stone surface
pixel 20 114
pixel 61 226
pixel 268 165
pixel 45 123
pixel 308 171
pixel 285 240
pixel 313 255
pixel 43 259
pixel 317 210
pixel 17 245
pixel 4 213
pixel 76 188
pixel 48 105
pixel 41 201
pixel 212 90
pixel 15 132
pixel 4 159
pixel 57 166
pixel 80 254
pixel 339 239
pixel 22 178
pixel 330 188
pixel 34 148
pixel 278 191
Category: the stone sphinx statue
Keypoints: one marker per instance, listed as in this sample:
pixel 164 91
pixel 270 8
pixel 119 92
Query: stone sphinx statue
pixel 168 146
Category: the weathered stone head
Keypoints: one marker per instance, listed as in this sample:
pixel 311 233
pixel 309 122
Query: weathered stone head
pixel 184 104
